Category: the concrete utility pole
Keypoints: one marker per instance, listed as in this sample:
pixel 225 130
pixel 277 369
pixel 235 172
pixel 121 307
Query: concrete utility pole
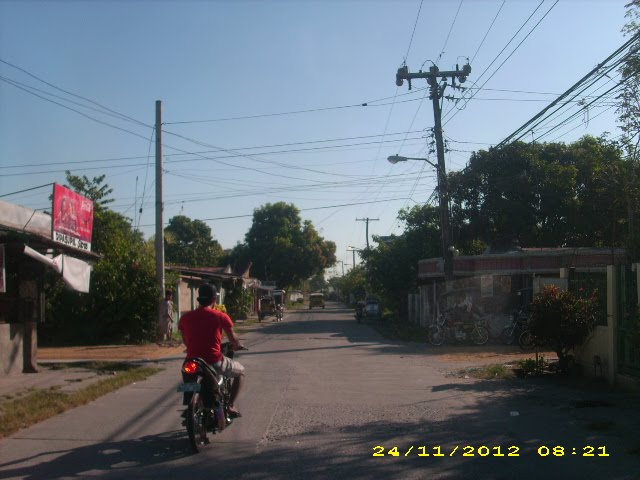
pixel 367 220
pixel 159 207
pixel 353 250
pixel 435 93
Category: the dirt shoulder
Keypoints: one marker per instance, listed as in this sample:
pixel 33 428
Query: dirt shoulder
pixel 445 354
pixel 150 351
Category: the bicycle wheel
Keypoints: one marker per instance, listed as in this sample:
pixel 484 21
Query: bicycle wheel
pixel 436 335
pixel 480 335
pixel 508 335
pixel 526 340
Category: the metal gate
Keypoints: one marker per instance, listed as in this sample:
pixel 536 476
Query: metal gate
pixel 628 348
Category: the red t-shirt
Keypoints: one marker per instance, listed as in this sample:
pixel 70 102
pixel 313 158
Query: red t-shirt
pixel 202 332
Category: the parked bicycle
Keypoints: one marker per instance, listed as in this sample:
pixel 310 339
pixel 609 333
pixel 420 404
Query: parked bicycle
pixel 446 327
pixel 519 323
pixel 529 341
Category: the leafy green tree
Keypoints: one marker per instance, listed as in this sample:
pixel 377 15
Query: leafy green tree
pixel 121 304
pixel 629 121
pixel 543 195
pixel 189 242
pixel 562 319
pixel 392 267
pixel 94 189
pixel 284 248
pixel 353 283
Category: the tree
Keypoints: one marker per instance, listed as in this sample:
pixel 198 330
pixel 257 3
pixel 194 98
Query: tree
pixel 284 248
pixel 93 189
pixel 542 195
pixel 189 242
pixel 392 267
pixel 562 320
pixel 353 283
pixel 629 121
pixel 121 305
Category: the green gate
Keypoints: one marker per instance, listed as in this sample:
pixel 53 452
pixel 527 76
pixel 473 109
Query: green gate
pixel 628 321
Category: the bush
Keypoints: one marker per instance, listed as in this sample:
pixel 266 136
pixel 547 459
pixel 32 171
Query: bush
pixel 562 319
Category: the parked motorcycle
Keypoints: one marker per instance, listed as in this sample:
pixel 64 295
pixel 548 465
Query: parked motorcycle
pixel 474 331
pixel 207 397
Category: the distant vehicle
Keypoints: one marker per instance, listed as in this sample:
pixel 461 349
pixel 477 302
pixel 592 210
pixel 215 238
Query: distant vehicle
pixel 316 300
pixel 372 309
pixel 279 297
pixel 267 307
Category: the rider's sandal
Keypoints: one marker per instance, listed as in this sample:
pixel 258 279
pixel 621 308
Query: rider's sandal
pixel 233 413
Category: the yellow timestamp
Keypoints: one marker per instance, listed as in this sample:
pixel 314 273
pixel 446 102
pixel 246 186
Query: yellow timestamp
pixel 581 451
pixel 489 451
pixel 441 451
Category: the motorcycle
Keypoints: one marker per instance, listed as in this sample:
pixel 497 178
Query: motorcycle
pixel 279 312
pixel 206 394
pixel 474 331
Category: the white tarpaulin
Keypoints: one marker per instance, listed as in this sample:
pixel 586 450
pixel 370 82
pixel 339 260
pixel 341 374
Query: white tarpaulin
pixel 54 263
pixel 75 272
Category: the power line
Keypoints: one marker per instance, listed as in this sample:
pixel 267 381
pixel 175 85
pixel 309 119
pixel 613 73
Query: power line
pixel 301 209
pixel 26 190
pixel 450 30
pixel 500 53
pixel 518 132
pixel 414 31
pixel 487 33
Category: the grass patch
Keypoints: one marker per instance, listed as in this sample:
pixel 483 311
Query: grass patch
pixel 37 405
pixel 400 330
pixel 488 372
pixel 97 366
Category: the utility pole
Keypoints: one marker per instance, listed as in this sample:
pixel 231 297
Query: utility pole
pixel 353 250
pixel 435 93
pixel 159 207
pixel 367 220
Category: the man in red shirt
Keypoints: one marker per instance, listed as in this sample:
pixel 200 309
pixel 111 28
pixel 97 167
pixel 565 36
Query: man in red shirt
pixel 201 331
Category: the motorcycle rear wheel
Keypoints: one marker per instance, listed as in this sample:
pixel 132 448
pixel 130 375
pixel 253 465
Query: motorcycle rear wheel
pixel 196 424
pixel 436 335
pixel 480 335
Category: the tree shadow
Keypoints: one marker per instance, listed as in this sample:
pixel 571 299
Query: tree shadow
pixel 101 457
pixel 338 447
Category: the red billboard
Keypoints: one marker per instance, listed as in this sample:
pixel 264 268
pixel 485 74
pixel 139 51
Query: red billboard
pixel 72 222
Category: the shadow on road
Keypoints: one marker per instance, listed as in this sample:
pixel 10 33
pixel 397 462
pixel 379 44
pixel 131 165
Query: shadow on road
pixel 521 420
pixel 111 456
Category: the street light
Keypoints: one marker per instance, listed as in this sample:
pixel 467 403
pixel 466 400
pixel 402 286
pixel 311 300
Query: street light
pixel 447 248
pixel 343 264
pixel 397 158
pixel 353 250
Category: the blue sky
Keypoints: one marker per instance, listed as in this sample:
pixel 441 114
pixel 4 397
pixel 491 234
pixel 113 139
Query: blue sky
pixel 212 62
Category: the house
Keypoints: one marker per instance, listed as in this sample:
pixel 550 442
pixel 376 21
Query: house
pixel 225 280
pixel 27 249
pixel 498 283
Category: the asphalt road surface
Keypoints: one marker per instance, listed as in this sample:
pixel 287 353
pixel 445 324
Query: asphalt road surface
pixel 324 396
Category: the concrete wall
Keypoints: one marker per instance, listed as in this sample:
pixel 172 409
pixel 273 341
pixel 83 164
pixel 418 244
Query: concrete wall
pixel 11 350
pixel 594 356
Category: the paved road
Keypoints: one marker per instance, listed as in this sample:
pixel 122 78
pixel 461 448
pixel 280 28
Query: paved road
pixel 322 392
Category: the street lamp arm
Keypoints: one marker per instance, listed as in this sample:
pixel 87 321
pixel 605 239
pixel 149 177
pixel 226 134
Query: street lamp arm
pixel 398 158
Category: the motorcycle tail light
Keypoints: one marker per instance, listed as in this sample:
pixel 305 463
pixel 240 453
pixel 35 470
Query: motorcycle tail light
pixel 190 368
